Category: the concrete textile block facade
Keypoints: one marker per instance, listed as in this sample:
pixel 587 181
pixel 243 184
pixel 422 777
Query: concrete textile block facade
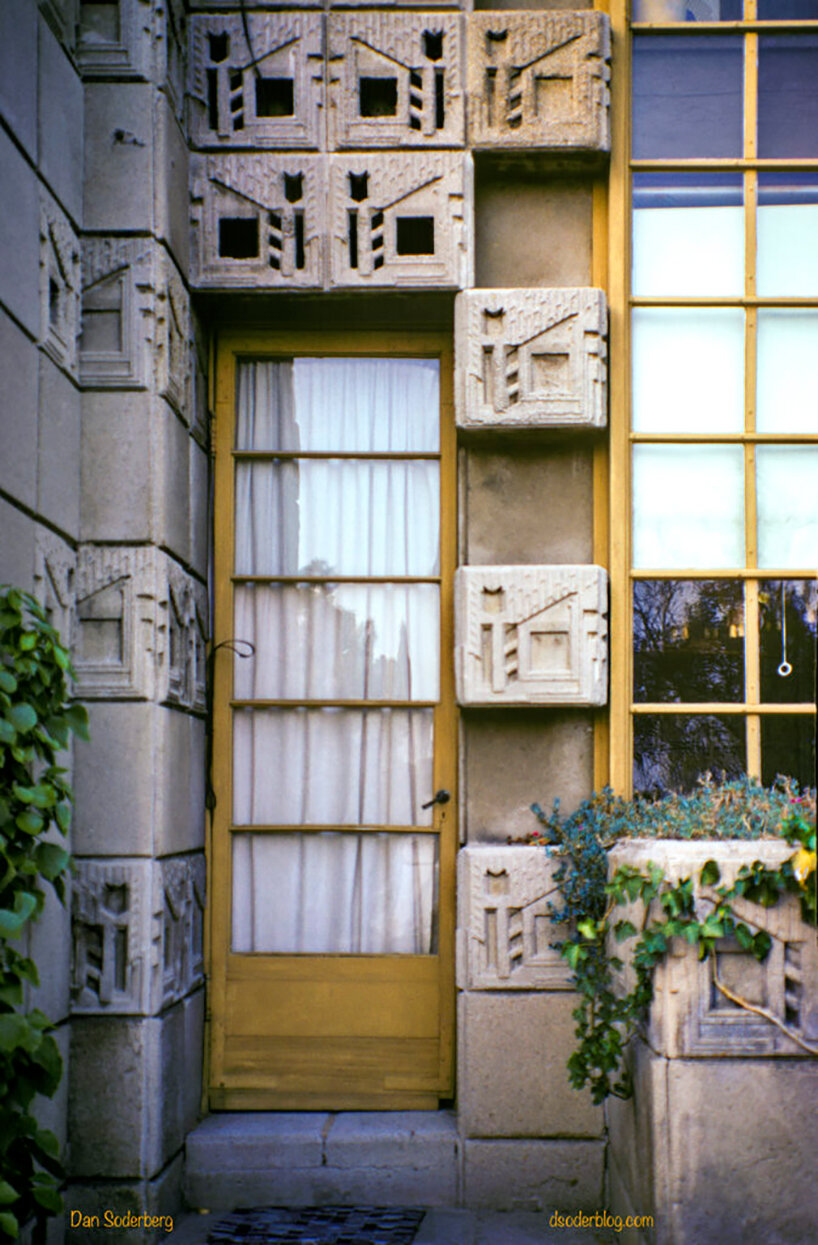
pixel 203 199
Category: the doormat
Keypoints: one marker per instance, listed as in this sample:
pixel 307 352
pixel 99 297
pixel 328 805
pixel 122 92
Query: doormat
pixel 322 1225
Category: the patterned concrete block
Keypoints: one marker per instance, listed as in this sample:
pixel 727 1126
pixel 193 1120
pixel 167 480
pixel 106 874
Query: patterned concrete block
pixel 530 359
pixel 141 625
pixel 135 39
pixel 504 931
pixel 137 930
pixel 258 221
pixel 59 284
pixel 689 1016
pixel 531 635
pixel 395 80
pixel 257 81
pixel 55 564
pixel 539 80
pixel 401 220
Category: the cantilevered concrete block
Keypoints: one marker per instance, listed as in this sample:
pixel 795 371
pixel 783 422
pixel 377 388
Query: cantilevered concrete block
pixel 531 635
pixel 401 220
pixel 504 931
pixel 59 284
pixel 689 1015
pixel 530 359
pixel 140 626
pixel 259 221
pixel 257 81
pixel 395 80
pixel 539 80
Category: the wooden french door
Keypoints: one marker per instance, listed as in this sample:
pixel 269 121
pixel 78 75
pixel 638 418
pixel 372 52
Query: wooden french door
pixel 331 863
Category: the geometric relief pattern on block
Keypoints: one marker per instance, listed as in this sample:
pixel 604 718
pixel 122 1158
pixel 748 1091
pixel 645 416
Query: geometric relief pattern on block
pixel 504 928
pixel 172 346
pixel 267 94
pixel 55 565
pixel 531 635
pixel 395 80
pixel 59 284
pixel 530 358
pixel 401 220
pixel 258 221
pixel 539 80
pixel 689 1016
pixel 135 39
pixel 183 900
pixel 116 344
pixel 116 922
pixel 140 627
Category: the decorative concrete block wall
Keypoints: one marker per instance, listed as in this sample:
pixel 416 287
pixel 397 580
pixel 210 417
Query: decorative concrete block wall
pixel 716 1084
pixel 525 1130
pixel 530 359
pixel 395 80
pixel 137 39
pixel 269 93
pixel 531 635
pixel 539 80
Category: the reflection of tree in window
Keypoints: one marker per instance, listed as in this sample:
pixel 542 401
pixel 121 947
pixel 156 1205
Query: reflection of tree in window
pixel 671 751
pixel 795 645
pixel 688 640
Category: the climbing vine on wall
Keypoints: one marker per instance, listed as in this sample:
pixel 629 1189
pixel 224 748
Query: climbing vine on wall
pixel 608 1014
pixel 36 720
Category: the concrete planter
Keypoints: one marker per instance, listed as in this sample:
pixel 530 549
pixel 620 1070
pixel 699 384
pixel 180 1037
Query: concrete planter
pixel 717 1142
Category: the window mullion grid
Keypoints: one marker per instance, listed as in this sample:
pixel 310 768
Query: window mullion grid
pixel 752 678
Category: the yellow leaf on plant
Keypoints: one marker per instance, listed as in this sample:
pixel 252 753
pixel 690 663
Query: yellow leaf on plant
pixel 803 864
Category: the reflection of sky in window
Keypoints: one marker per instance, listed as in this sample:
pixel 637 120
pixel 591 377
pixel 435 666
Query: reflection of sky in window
pixel 787 234
pixel 687 96
pixel 688 234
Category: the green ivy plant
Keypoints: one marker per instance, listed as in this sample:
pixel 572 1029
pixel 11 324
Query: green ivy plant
pixel 36 719
pixel 608 1015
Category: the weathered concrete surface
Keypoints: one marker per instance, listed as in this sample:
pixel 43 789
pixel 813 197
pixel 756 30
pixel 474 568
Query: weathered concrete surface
pixel 532 1175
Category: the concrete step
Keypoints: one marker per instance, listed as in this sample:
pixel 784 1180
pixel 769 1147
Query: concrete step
pixel 316 1158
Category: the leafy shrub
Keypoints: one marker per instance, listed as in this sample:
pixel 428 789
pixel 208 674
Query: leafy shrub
pixel 36 719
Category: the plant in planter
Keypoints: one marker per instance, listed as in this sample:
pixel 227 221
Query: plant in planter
pixel 640 908
pixel 36 718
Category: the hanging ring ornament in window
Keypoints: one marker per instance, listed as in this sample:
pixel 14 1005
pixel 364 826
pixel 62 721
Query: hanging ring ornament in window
pixel 784 669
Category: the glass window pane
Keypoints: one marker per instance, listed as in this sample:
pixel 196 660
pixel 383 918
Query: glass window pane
pixel 357 405
pixel 787 375
pixel 787 234
pixel 688 234
pixel 686 10
pixel 671 751
pixel 338 642
pixel 788 748
pixel 324 517
pixel 788 95
pixel 321 893
pixel 688 369
pixel 342 767
pixel 687 96
pixel 787 10
pixel 787 486
pixel 688 640
pixel 688 506
pixel 787 622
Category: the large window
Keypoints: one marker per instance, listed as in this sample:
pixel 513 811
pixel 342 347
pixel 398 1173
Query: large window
pixel 715 418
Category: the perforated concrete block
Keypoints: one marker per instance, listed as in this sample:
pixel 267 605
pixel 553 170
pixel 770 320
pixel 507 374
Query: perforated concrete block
pixel 401 220
pixel 265 93
pixel 60 121
pixel 539 80
pixel 141 623
pixel 395 80
pixel 59 284
pixel 136 934
pixel 689 1015
pixel 259 221
pixel 504 931
pixel 530 359
pixel 512 1076
pixel 531 635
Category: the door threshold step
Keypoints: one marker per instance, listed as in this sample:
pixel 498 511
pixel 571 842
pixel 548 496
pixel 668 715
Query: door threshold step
pixel 238 1160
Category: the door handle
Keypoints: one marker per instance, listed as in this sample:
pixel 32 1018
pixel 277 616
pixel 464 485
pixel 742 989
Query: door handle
pixel 439 797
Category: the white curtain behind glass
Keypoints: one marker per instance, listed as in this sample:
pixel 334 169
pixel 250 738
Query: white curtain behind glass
pixel 336 766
